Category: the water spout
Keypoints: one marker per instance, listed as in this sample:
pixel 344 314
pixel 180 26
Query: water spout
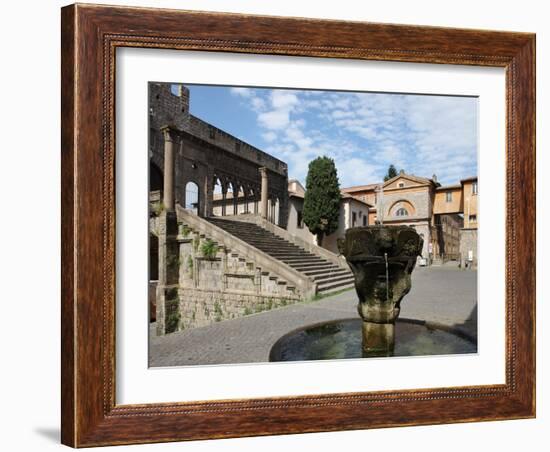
pixel 387 278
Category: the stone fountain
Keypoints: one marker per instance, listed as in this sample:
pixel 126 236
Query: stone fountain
pixel 382 259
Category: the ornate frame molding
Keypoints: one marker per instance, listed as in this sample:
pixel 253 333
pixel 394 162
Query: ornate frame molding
pixel 90 36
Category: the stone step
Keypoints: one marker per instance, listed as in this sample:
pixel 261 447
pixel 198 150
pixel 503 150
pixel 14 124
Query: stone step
pixel 328 276
pixel 335 279
pixel 334 286
pixel 313 266
pixel 321 274
pixel 274 246
pixel 289 253
pixel 302 260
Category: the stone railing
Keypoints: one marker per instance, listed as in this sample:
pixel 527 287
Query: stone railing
pixel 263 260
pixel 298 241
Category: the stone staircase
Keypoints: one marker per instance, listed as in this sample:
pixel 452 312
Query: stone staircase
pixel 328 276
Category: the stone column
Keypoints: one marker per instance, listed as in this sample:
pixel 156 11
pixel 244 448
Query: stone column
pixel 169 154
pixel 224 200
pixel 264 199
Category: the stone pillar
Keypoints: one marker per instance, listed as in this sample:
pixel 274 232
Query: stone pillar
pixel 168 314
pixel 224 200
pixel 265 187
pixel 169 157
pixel 206 204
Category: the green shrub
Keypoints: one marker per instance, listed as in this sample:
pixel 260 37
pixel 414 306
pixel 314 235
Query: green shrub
pixel 209 249
pixel 185 230
pixel 157 208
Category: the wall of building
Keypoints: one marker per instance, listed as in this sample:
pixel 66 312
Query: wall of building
pixel 471 218
pixel 468 246
pixel 348 207
pixel 418 197
pixel 294 226
pixel 220 286
pixel 441 203
pixel 447 236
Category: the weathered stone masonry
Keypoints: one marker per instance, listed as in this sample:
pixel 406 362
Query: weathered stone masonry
pixel 202 289
pixel 188 287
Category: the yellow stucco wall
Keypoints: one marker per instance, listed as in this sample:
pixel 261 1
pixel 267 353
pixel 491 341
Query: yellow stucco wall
pixel 441 205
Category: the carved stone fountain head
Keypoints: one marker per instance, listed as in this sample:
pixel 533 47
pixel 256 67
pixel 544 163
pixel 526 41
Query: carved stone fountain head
pixel 382 259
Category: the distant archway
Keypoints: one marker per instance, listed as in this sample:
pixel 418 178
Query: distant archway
pixel 192 197
pixel 402 208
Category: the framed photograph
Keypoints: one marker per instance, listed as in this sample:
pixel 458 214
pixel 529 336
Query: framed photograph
pixel 281 225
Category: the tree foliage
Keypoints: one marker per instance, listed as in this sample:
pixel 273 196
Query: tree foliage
pixel 392 172
pixel 322 199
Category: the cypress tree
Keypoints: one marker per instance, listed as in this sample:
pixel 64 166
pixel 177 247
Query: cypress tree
pixel 322 199
pixel 392 172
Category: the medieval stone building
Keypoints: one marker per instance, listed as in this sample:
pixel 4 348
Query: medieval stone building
pixel 209 160
pixel 219 247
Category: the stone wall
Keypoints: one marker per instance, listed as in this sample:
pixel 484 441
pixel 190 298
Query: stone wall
pixel 218 285
pixel 468 242
pixel 200 307
pixel 421 201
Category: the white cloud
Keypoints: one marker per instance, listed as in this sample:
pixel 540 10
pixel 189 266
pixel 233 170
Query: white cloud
pixel 269 136
pixel 258 104
pixel 274 120
pixel 366 132
pixel 242 92
pixel 281 99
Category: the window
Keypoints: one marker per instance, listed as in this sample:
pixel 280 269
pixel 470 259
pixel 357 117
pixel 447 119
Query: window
pixel 472 218
pixel 299 220
pixel 449 196
pixel 364 220
pixel 401 212
pixel 474 188
pixel 400 184
pixel 353 218
pixel 212 132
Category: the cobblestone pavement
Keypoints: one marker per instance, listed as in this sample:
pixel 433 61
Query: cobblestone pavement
pixel 444 295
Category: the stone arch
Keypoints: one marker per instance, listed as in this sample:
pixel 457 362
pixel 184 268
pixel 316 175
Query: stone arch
pixel 156 178
pixel 192 196
pixel 401 208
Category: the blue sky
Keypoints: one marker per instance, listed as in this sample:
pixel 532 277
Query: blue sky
pixel 363 132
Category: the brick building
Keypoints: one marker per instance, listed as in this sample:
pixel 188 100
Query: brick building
pixel 445 216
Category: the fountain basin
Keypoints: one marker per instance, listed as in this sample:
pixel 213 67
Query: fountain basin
pixel 342 339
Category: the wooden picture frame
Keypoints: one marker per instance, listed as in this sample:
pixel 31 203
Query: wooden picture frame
pixel 90 36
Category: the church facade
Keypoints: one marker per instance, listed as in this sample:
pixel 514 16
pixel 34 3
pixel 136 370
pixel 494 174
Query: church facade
pixel 445 216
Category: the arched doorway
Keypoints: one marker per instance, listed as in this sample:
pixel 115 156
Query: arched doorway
pixel 156 180
pixel 192 197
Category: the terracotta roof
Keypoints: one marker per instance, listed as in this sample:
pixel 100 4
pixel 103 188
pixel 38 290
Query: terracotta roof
pixel 353 198
pixel 296 195
pixel 422 180
pixel 447 187
pixel 359 188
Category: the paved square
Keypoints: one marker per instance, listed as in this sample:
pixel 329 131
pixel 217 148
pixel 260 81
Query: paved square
pixel 444 295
